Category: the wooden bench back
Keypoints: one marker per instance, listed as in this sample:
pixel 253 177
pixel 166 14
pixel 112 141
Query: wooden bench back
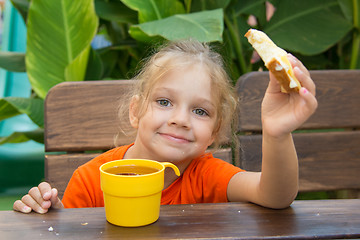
pixel 81 121
pixel 328 144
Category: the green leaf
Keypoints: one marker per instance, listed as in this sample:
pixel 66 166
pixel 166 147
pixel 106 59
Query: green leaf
pixel 95 67
pixel 206 26
pixel 308 27
pixel 19 137
pixel 347 8
pixel 115 11
pixel 201 5
pixel 254 7
pixel 245 8
pixel 151 10
pixel 59 35
pixel 109 59
pixel 33 107
pixel 22 6
pixel 12 61
pixel 72 72
pixel 7 110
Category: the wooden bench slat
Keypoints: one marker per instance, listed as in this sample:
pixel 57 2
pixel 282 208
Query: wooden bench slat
pixel 59 168
pixel 320 165
pixel 336 101
pixel 82 116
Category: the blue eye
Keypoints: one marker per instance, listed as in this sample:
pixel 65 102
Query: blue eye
pixel 200 112
pixel 164 102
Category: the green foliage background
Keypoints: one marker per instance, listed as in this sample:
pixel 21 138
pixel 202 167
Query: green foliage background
pixel 324 34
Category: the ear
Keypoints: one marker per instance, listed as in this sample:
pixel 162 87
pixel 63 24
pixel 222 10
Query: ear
pixel 134 111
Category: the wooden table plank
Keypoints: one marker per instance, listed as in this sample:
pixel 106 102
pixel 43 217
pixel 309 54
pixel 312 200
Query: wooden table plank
pixel 318 219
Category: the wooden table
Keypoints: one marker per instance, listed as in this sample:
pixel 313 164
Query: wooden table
pixel 318 219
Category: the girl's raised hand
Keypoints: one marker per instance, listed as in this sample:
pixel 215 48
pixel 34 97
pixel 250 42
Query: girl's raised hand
pixel 283 113
pixel 39 199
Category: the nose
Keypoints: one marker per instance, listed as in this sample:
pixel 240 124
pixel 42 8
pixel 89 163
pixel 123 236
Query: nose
pixel 180 117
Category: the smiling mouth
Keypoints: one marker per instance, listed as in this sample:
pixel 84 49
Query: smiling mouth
pixel 174 138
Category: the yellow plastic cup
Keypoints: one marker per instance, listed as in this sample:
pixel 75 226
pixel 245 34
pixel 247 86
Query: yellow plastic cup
pixel 133 201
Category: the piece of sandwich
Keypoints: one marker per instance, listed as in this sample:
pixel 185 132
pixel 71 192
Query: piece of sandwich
pixel 275 60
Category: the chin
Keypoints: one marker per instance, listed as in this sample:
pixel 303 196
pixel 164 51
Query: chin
pixel 175 156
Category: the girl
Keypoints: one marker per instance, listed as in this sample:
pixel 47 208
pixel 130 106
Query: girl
pixel 182 104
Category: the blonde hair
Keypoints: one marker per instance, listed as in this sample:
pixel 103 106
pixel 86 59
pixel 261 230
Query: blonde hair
pixel 181 54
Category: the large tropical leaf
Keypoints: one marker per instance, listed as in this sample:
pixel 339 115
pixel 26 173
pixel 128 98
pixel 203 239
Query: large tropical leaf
pixel 348 8
pixel 201 5
pixel 95 67
pixel 308 27
pixel 19 137
pixel 59 36
pixel 351 10
pixel 12 61
pixel 254 7
pixel 244 8
pixel 115 11
pixel 206 26
pixel 22 6
pixel 33 107
pixel 151 10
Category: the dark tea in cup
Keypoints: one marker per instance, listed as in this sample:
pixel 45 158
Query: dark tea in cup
pixel 131 170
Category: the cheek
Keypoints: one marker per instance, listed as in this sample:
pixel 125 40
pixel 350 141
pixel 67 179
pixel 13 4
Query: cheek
pixel 152 118
pixel 205 132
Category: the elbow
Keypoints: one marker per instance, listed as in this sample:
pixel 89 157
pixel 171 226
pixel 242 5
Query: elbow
pixel 280 203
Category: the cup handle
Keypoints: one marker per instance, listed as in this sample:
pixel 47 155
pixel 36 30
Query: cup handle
pixel 175 168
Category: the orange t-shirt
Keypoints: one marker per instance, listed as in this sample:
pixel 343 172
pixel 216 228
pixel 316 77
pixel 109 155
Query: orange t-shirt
pixel 205 180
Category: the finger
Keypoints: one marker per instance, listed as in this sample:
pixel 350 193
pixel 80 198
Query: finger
pixel 297 63
pixel 305 80
pixel 36 195
pixel 45 190
pixel 309 100
pixel 21 207
pixel 274 85
pixel 33 204
pixel 55 200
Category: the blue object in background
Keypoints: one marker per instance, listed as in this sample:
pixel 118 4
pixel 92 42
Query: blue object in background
pixel 21 165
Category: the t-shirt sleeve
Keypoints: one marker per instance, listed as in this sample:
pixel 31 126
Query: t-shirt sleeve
pixel 216 179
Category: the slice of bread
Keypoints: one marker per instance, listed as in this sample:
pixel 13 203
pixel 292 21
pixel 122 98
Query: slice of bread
pixel 275 60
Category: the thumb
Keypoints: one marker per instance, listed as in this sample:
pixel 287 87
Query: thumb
pixel 274 85
pixel 55 200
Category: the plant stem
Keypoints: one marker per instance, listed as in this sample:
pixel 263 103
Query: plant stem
pixel 356 36
pixel 188 6
pixel 237 45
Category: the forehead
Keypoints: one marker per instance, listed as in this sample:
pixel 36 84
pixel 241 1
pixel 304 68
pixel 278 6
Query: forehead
pixel 187 78
pixel 192 85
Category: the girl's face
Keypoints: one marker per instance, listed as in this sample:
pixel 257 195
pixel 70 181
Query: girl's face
pixel 179 121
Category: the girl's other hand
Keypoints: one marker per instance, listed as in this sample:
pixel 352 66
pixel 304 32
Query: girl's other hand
pixel 283 113
pixel 39 199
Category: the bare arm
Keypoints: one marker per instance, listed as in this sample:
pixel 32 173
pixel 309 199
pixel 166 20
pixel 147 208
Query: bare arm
pixel 277 185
